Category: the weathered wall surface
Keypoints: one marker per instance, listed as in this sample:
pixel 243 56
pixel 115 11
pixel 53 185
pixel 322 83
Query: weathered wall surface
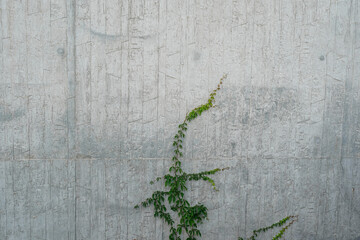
pixel 91 93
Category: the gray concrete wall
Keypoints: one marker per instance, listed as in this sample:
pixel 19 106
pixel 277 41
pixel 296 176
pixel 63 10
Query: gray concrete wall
pixel 91 93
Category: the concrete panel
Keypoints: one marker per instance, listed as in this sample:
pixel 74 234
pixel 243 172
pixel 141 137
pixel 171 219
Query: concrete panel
pixel 91 93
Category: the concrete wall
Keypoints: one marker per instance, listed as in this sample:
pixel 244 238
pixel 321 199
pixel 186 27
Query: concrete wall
pixel 91 93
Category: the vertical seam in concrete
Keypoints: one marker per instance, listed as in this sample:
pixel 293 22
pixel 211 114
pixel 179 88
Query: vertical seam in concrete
pixel 71 68
pixel 127 108
pixel 70 102
pixel 355 16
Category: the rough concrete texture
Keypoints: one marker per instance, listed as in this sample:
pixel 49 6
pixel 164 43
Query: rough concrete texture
pixel 92 91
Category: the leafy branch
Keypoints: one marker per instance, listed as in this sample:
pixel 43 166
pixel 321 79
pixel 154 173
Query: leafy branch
pixel 277 224
pixel 190 216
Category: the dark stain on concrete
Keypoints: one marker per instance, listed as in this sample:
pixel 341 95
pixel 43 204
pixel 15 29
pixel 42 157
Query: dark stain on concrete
pixel 7 115
pixel 197 56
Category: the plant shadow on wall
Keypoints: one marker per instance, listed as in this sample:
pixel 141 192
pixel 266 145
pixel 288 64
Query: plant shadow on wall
pixel 189 217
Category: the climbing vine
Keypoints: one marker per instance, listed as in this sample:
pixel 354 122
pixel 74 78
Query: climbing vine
pixel 189 216
pixel 280 223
